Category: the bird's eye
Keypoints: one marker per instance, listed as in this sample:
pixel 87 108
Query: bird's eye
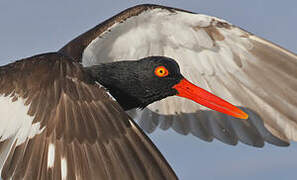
pixel 161 71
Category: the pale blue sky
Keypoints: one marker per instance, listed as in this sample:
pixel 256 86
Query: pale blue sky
pixel 29 27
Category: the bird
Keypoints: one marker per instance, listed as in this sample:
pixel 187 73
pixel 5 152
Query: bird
pixel 63 121
pixel 61 101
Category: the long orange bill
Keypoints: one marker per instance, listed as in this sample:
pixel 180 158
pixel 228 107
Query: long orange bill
pixel 188 90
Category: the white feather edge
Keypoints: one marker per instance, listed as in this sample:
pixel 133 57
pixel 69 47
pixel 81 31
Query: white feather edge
pixel 14 120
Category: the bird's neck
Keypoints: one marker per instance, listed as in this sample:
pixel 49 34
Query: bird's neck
pixel 116 80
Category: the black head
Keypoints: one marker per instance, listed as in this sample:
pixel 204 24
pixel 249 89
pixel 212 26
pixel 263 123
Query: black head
pixel 136 84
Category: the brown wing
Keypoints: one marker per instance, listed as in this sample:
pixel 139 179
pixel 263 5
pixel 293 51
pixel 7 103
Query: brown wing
pixel 232 63
pixel 59 124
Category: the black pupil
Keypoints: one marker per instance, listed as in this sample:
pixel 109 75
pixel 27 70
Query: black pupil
pixel 161 71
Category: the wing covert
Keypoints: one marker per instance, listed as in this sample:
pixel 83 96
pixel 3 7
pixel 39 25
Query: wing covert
pixel 63 125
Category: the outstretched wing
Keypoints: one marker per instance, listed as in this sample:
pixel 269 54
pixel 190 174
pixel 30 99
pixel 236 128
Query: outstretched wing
pixel 56 123
pixel 217 56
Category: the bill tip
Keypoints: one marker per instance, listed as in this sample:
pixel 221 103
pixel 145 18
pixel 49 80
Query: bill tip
pixel 244 116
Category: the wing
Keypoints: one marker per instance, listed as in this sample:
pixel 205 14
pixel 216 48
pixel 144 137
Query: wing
pixel 217 56
pixel 56 123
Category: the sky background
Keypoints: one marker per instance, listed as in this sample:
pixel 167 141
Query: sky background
pixel 29 27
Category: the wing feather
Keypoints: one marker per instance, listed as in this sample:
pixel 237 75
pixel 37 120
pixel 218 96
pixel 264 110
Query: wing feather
pixel 63 125
pixel 230 62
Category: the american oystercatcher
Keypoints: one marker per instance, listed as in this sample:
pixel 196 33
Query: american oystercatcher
pixel 61 122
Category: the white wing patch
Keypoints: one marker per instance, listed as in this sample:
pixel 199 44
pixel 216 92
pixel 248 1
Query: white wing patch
pixel 63 168
pixel 51 155
pixel 166 37
pixel 14 120
pixel 158 24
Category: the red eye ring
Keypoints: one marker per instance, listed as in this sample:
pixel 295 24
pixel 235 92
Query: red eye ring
pixel 161 71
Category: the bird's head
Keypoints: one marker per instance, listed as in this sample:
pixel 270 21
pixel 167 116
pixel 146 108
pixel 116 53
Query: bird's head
pixel 136 84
